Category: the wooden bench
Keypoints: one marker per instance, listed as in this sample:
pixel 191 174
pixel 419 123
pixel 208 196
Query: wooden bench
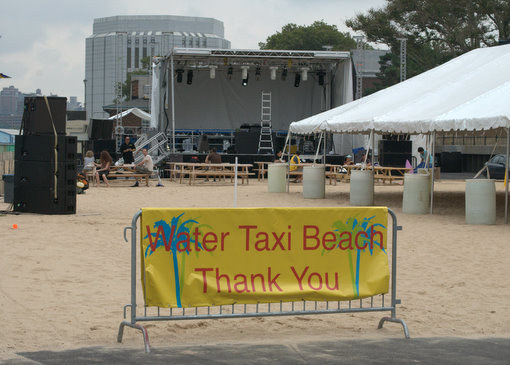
pixel 121 174
pixel 132 174
pixel 218 173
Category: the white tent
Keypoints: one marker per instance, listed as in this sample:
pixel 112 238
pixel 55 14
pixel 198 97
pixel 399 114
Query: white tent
pixel 468 93
pixel 138 112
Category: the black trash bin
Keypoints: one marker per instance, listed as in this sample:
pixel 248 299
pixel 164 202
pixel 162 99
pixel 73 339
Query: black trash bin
pixel 8 188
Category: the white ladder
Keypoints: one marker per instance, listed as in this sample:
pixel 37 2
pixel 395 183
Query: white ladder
pixel 266 135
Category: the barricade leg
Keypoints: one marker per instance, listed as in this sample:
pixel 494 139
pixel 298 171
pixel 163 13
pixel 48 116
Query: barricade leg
pixel 395 320
pixel 146 342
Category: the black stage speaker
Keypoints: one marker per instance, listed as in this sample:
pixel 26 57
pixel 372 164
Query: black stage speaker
pixel 100 129
pixel 42 200
pixel 451 162
pixel 36 116
pixel 247 143
pixel 40 173
pixel 386 146
pixel 107 129
pixel 45 181
pixel 394 159
pixel 395 153
pixel 41 148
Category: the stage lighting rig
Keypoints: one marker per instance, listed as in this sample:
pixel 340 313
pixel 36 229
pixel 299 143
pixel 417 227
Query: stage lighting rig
pixel 284 74
pixel 257 73
pixel 273 72
pixel 297 79
pixel 179 75
pixel 212 71
pixel 321 75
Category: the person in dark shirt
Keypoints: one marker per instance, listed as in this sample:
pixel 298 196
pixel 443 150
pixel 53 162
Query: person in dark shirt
pixel 127 149
pixel 278 157
pixel 213 158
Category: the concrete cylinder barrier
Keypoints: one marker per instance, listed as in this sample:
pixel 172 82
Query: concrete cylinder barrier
pixel 416 199
pixel 314 182
pixel 480 201
pixel 276 178
pixel 362 188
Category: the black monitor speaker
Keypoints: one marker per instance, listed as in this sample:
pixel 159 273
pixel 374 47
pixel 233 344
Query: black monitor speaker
pixel 100 129
pixel 38 115
pixel 42 148
pixel 45 174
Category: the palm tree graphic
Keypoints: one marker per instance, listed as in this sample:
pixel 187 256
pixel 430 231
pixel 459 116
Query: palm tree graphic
pixel 355 226
pixel 177 226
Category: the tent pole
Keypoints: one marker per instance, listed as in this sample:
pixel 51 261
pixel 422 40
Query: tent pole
pixel 325 147
pixel 373 149
pixel 507 173
pixel 433 144
pixel 173 98
pixel 289 135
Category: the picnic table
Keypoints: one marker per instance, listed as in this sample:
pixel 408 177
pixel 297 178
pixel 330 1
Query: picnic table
pixel 208 170
pixel 118 171
pixel 382 173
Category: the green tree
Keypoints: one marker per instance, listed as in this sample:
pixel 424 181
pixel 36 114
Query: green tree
pixel 124 88
pixel 312 37
pixel 436 31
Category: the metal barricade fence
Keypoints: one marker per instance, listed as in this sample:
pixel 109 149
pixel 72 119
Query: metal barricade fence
pixel 377 303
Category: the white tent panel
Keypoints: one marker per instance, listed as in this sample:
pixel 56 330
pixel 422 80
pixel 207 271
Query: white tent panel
pixel 138 112
pixel 469 92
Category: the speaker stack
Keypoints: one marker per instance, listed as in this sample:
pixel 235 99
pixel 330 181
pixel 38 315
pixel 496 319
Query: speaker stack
pixel 395 153
pixel 45 160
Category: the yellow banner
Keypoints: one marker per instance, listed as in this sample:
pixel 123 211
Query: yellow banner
pixel 202 257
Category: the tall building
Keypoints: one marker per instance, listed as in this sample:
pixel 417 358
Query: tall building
pixel 9 100
pixel 118 44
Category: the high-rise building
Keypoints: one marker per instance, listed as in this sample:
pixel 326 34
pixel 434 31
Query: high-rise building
pixel 9 100
pixel 119 43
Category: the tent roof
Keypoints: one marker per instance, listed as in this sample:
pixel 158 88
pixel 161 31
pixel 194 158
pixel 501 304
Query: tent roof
pixel 470 92
pixel 139 113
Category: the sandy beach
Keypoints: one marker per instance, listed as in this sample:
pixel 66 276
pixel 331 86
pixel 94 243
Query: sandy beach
pixel 64 279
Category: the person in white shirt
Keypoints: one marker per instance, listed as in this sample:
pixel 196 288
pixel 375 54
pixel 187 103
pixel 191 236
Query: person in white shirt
pixel 145 166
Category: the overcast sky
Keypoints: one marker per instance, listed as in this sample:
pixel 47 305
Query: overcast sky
pixel 42 43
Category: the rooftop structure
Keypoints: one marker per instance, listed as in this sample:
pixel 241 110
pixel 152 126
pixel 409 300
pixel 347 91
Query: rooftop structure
pixel 119 43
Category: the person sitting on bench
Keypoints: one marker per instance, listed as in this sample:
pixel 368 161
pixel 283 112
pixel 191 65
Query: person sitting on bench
pixel 145 166
pixel 295 160
pixel 212 157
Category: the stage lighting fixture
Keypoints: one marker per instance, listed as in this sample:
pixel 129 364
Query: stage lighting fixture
pixel 189 79
pixel 304 73
pixel 230 72
pixel 297 79
pixel 284 74
pixel 273 72
pixel 245 81
pixel 321 75
pixel 212 71
pixel 179 75
pixel 244 72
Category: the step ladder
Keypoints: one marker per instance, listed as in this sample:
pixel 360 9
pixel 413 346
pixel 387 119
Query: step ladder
pixel 266 135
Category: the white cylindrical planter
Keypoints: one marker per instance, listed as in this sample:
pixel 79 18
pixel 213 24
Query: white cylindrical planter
pixel 480 201
pixel 314 183
pixel 276 178
pixel 362 187
pixel 416 193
